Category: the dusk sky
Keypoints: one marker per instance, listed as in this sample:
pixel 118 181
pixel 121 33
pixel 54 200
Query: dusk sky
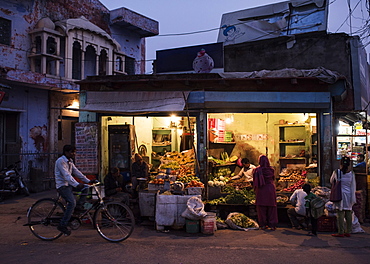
pixel 188 16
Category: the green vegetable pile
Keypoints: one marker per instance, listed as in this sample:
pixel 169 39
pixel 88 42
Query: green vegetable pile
pixel 242 196
pixel 242 220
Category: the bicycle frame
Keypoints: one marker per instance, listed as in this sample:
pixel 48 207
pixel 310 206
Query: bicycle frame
pixel 114 221
pixel 95 205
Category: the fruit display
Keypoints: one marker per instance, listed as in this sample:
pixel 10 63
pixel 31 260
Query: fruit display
pixel 175 158
pixel 181 163
pixel 291 174
pixel 291 179
pixel 157 181
pixel 295 186
pixel 281 199
pixel 239 184
pixel 187 178
pixel 195 183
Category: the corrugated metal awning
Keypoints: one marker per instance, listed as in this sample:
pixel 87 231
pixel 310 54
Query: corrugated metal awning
pixel 134 102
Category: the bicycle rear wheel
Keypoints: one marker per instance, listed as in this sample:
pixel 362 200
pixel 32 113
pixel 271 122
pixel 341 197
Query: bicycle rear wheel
pixel 114 221
pixel 44 217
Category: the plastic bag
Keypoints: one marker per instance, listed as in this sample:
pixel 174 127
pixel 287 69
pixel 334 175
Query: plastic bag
pixel 233 224
pixel 356 227
pixel 194 209
pixel 330 207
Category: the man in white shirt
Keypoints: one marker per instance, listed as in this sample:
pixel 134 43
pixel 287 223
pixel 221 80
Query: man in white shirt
pixel 246 172
pixel 299 210
pixel 66 184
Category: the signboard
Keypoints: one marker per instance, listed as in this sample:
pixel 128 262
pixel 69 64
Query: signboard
pixel 271 21
pixel 87 147
pixel 181 60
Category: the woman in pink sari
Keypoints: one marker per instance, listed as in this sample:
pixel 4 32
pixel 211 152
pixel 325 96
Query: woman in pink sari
pixel 264 187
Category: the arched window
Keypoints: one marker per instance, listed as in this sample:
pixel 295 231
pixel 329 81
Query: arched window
pixel 76 61
pixel 90 61
pixel 51 46
pixel 103 60
pixel 119 64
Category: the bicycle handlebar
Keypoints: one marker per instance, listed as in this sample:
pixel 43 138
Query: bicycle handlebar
pixel 90 186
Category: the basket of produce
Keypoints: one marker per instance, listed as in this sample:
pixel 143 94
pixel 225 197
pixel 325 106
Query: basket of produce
pixel 240 221
pixel 282 199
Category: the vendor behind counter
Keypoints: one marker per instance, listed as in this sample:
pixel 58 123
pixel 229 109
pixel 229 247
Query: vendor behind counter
pixel 246 173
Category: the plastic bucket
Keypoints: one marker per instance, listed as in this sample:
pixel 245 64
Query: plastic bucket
pixel 192 226
pixel 208 225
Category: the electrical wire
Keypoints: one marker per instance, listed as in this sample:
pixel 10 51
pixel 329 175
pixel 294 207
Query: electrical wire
pixel 362 31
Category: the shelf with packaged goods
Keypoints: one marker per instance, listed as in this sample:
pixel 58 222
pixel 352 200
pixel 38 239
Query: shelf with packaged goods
pixel 314 145
pixel 293 138
pixel 217 150
pixel 163 140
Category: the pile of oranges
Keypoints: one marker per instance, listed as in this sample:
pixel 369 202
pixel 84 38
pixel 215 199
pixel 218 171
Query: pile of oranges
pixel 194 183
pixel 157 181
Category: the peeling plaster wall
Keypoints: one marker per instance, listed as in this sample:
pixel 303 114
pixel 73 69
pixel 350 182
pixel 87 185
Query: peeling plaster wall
pixel 30 91
pixel 132 46
pixel 30 103
pixel 25 15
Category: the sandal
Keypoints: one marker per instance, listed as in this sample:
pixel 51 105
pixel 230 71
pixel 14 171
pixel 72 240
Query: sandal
pixel 263 228
pixel 337 235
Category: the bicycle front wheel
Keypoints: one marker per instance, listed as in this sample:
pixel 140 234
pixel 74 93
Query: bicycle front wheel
pixel 44 217
pixel 114 221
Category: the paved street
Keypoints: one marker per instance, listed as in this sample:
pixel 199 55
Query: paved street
pixel 146 245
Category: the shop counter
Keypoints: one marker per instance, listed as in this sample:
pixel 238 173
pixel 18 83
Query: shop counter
pixel 147 203
pixel 169 208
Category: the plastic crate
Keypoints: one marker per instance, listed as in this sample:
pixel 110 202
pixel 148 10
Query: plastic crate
pixel 155 187
pixel 194 190
pixel 327 224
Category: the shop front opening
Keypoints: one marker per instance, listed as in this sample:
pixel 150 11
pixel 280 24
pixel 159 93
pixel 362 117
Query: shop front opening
pixel 289 140
pixel 164 142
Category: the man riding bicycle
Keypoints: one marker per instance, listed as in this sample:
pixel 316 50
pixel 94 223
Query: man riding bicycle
pixel 66 184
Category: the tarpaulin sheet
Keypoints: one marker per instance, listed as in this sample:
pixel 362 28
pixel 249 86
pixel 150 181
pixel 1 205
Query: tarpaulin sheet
pixel 320 73
pixel 135 101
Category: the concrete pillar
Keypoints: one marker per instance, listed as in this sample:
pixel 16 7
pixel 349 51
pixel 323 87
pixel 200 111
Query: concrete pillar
pixel 202 144
pixel 327 148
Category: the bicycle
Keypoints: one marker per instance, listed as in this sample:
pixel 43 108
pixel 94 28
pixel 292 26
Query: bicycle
pixel 114 221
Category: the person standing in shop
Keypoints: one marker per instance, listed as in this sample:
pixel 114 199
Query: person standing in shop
pixel 360 161
pixel 344 207
pixel 246 173
pixel 264 187
pixel 139 169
